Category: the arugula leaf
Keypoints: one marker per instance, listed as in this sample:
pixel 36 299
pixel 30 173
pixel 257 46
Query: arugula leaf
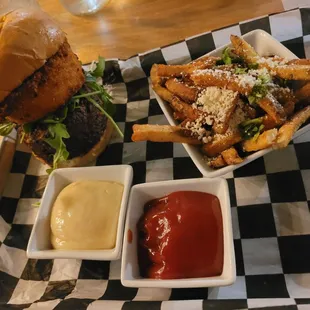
pixel 89 78
pixel 74 104
pixel 108 106
pixel 6 127
pixel 58 132
pixel 240 70
pixel 99 70
pixel 27 128
pixel 53 119
pixel 251 129
pixel 99 107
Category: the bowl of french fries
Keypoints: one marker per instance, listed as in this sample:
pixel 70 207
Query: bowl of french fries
pixel 232 105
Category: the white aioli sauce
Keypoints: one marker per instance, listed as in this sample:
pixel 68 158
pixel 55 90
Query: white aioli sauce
pixel 85 215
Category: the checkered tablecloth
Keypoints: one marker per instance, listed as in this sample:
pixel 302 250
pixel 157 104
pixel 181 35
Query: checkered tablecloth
pixel 269 203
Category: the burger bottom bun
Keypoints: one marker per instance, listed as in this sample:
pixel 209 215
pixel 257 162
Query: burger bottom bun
pixel 91 155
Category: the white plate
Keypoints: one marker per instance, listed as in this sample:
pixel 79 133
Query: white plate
pixel 39 245
pixel 142 193
pixel 265 45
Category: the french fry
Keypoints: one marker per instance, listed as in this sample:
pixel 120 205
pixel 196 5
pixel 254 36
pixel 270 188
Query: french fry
pixel 272 107
pixel 244 49
pixel 264 140
pixel 178 116
pixel 276 66
pixel 180 85
pixel 286 98
pixel 155 78
pixel 299 62
pixel 163 92
pixel 303 93
pixel 220 78
pixel 231 156
pixel 162 133
pixel 174 71
pixel 250 111
pixel 221 127
pixel 292 72
pixel 287 131
pixel 219 145
pixel 216 162
pixel 289 107
pixel 188 94
pixel 185 109
pixel 268 122
pixel 207 60
pixel 179 70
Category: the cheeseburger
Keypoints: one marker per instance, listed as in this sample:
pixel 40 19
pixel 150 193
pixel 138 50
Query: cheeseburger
pixel 60 111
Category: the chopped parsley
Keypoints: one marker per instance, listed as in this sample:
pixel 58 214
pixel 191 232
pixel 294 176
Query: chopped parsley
pixel 228 58
pixel 241 70
pixel 253 66
pixel 251 129
pixel 260 89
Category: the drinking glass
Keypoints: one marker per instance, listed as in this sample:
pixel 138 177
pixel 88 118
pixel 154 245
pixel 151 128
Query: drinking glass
pixel 83 7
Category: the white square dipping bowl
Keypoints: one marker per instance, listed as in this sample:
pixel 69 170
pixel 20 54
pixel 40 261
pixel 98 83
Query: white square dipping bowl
pixel 265 45
pixel 39 245
pixel 142 193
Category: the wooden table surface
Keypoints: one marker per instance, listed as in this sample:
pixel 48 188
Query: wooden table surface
pixel 126 27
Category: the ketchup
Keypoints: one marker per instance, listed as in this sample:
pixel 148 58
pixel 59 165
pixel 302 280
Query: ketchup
pixel 181 236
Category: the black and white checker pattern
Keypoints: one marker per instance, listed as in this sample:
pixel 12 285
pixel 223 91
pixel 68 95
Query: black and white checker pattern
pixel 270 203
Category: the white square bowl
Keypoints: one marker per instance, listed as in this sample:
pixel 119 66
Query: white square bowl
pixel 265 45
pixel 142 193
pixel 39 245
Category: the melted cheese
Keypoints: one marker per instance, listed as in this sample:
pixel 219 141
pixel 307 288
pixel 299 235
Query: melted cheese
pixel 85 215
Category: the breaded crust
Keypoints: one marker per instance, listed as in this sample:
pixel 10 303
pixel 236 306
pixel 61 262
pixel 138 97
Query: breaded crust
pixel 46 90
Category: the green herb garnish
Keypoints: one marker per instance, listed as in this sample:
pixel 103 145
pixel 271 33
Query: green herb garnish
pixel 228 58
pixel 99 70
pixel 219 62
pixel 240 70
pixel 6 127
pixel 251 129
pixel 58 132
pixel 253 66
pixel 260 89
pixel 105 99
pixel 281 82
pixel 99 107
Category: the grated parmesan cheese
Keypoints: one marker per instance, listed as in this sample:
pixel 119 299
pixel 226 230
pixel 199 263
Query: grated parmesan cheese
pixel 238 117
pixel 272 62
pixel 215 103
pixel 244 80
